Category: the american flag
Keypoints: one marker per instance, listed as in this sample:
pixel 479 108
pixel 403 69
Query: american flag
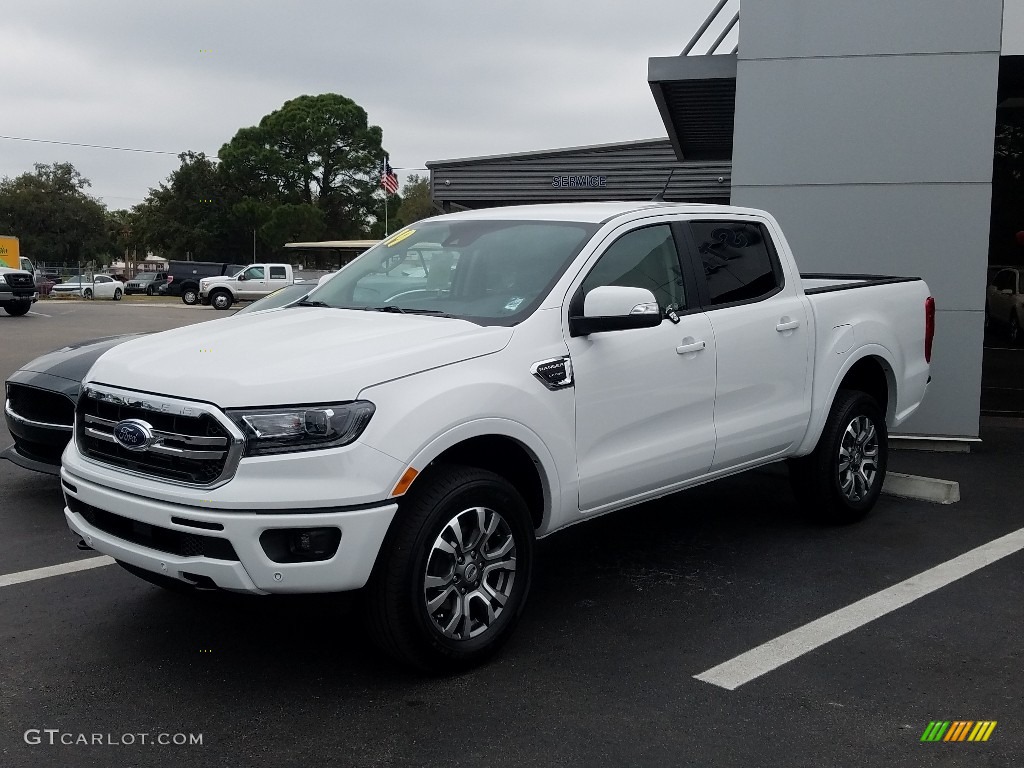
pixel 389 180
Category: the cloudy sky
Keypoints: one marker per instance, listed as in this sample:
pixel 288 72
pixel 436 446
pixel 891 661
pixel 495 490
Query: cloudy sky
pixel 443 79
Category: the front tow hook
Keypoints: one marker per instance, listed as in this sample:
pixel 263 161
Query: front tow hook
pixel 83 546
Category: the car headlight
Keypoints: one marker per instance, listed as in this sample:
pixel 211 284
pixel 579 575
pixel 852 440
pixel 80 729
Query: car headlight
pixel 301 428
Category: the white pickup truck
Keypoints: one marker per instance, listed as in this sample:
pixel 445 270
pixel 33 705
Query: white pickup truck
pixel 550 364
pixel 253 282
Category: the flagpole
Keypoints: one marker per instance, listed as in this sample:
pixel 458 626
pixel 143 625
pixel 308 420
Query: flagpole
pixel 383 175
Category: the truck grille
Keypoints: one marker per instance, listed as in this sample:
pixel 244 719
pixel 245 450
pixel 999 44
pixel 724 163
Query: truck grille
pixel 186 442
pixel 153 536
pixel 40 405
pixel 19 280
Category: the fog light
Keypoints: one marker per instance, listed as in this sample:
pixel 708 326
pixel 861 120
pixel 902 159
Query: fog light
pixel 300 545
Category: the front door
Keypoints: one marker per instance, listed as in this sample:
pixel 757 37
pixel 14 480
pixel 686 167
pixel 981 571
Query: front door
pixel 644 397
pixel 255 284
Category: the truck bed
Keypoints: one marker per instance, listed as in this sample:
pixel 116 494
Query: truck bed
pixel 825 282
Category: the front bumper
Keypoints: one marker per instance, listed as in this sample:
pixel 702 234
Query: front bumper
pixel 362 533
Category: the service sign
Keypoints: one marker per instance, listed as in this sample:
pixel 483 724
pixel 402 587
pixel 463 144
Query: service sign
pixel 585 180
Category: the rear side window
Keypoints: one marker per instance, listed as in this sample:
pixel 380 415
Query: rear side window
pixel 277 273
pixel 738 260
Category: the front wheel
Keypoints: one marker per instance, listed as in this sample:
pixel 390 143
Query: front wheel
pixel 454 573
pixel 87 293
pixel 1014 332
pixel 150 291
pixel 841 480
pixel 17 308
pixel 117 294
pixel 221 300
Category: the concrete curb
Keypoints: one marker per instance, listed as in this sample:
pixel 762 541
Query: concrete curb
pixel 921 488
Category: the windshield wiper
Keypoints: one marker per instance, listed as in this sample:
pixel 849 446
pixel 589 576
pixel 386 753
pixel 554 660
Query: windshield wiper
pixel 408 311
pixel 388 308
pixel 305 303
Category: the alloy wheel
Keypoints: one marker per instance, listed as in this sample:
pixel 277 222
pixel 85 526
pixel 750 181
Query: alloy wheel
pixel 858 458
pixel 470 573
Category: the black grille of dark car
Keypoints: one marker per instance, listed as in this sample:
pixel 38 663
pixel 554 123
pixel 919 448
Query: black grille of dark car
pixel 186 449
pixel 19 280
pixel 41 405
pixel 153 536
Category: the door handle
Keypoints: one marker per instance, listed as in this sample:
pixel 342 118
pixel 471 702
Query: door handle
pixel 696 346
pixel 787 325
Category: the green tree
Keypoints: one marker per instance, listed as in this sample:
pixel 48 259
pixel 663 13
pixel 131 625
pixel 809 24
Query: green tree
pixel 319 151
pixel 416 201
pixel 55 219
pixel 188 216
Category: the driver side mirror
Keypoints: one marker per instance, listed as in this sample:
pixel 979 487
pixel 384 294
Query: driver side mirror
pixel 616 308
pixel 242 276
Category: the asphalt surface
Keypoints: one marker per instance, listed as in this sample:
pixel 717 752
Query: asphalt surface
pixel 624 612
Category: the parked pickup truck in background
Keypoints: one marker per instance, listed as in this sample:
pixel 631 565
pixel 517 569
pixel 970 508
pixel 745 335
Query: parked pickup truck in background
pixel 17 291
pixel 183 277
pixel 253 282
pixel 563 362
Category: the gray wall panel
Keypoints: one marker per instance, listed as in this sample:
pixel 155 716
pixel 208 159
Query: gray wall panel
pixel 951 407
pixel 928 230
pixel 867 119
pixel 799 28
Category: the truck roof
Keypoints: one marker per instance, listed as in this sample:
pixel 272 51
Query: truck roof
pixel 596 212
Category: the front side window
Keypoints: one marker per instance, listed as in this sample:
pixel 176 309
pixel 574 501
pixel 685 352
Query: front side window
pixel 486 271
pixel 1006 280
pixel 254 273
pixel 737 261
pixel 643 258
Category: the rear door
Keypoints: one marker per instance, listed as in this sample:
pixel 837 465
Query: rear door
pixel 644 397
pixel 760 321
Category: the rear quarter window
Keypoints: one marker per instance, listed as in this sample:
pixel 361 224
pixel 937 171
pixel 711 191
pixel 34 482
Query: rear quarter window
pixel 738 261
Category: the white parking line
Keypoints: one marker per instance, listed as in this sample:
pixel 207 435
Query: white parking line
pixel 54 570
pixel 38 314
pixel 773 654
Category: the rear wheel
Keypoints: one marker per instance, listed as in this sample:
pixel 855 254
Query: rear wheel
pixel 841 480
pixel 190 295
pixel 454 573
pixel 117 294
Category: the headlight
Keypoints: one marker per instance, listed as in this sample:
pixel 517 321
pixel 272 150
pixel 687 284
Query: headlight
pixel 301 428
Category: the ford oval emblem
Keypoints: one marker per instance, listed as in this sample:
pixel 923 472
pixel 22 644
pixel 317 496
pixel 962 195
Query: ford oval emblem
pixel 133 434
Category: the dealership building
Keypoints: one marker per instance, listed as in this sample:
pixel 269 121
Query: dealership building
pixel 869 130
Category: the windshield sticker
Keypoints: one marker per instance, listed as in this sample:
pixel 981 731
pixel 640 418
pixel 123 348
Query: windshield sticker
pixel 399 237
pixel 513 305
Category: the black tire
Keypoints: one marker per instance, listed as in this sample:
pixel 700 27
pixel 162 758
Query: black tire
pixel 164 582
pixel 17 308
pixel 117 294
pixel 818 478
pixel 150 291
pixel 221 300
pixel 87 293
pixel 190 295
pixel 397 594
pixel 1014 330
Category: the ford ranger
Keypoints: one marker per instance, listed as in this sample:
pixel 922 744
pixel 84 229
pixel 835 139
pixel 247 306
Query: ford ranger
pixel 553 363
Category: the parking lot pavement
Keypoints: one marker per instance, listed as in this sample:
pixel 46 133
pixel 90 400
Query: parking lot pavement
pixel 625 611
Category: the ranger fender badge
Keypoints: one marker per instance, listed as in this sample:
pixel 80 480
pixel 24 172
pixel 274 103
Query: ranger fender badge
pixel 555 373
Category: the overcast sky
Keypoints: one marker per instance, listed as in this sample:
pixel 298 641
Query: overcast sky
pixel 443 79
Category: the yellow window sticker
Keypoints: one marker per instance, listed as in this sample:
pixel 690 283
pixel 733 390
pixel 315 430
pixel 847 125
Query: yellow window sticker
pixel 396 239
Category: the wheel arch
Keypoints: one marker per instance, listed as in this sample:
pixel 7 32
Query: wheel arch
pixel 872 371
pixel 506 448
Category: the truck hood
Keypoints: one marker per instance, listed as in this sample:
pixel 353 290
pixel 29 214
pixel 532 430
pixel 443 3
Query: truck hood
pixel 74 361
pixel 294 355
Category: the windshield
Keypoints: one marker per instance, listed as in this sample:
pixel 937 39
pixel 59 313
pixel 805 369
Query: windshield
pixel 489 272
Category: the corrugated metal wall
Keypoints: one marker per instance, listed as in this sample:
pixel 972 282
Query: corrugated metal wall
pixel 630 171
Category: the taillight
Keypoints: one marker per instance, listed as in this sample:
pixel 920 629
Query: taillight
pixel 929 327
